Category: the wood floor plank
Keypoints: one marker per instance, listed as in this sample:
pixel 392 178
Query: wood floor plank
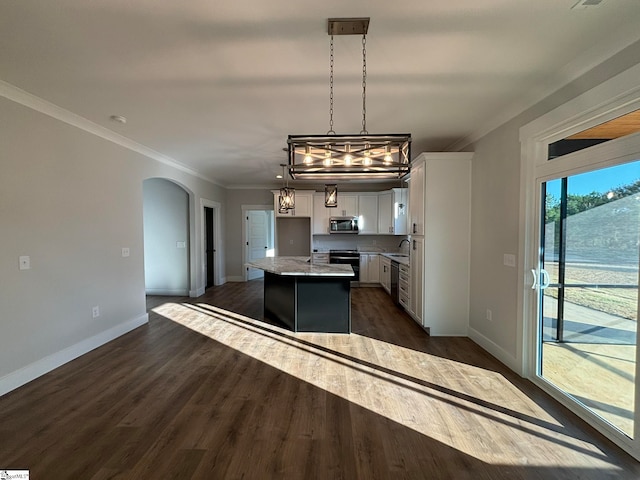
pixel 210 389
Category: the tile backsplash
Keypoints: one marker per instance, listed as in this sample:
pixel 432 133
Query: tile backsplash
pixel 364 243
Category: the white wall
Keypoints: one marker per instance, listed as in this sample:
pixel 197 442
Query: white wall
pixel 166 225
pixel 71 201
pixel 495 216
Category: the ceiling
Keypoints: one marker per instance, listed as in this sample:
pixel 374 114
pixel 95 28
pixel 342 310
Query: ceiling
pixel 218 85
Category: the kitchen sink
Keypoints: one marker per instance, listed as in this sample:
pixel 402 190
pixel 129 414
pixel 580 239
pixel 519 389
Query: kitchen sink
pixel 397 255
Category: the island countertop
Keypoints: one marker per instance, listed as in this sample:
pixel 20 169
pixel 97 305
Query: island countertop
pixel 300 266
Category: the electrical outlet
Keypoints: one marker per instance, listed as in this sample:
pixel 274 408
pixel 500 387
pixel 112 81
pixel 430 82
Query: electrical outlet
pixel 125 252
pixel 290 242
pixel 25 262
pixel 489 315
pixel 181 244
pixel 95 312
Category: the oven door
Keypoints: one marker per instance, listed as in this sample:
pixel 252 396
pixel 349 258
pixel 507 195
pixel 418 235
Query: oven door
pixel 346 260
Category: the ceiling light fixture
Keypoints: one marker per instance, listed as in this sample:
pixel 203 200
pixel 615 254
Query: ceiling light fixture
pixel 363 155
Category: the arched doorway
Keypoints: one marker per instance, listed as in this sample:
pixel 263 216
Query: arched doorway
pixel 166 238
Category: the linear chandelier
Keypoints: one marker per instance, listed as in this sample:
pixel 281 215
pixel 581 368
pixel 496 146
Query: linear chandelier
pixel 353 156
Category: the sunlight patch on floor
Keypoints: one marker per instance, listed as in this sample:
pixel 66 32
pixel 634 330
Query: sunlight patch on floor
pixel 401 384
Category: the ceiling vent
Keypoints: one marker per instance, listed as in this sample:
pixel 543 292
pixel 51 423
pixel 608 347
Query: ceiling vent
pixel 582 4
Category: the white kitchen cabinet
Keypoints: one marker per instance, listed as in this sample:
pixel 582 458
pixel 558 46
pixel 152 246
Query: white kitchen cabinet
pixel 439 203
pixel 392 212
pixel 385 212
pixel 319 257
pixel 321 215
pixel 404 279
pixel 347 205
pixel 416 198
pixel 385 273
pixel 416 279
pixel 369 268
pixel 303 204
pixel 368 213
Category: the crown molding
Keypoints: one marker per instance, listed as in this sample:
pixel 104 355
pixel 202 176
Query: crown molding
pixel 45 107
pixel 569 73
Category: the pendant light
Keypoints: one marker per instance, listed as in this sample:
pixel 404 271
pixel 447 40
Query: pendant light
pixel 353 156
pixel 287 197
pixel 330 196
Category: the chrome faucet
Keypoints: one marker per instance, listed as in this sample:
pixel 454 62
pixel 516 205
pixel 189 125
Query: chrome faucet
pixel 403 240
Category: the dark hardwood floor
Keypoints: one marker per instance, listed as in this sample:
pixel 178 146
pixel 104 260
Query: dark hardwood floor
pixel 208 389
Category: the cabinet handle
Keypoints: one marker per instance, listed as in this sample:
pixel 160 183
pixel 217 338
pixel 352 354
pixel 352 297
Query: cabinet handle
pixel 414 244
pixel 414 228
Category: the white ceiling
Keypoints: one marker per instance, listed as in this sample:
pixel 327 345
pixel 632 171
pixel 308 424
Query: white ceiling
pixel 218 85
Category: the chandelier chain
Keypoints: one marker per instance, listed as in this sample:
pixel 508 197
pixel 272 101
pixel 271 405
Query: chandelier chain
pixel 364 85
pixel 331 131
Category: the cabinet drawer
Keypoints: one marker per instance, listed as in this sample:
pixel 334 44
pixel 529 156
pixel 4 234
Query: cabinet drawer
pixel 320 258
pixel 404 301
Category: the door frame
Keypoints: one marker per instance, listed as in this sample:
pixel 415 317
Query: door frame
pixel 615 97
pixel 245 234
pixel 218 278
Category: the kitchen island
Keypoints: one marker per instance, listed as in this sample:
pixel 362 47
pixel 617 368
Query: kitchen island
pixel 307 297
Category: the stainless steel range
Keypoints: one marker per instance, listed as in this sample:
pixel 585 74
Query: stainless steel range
pixel 347 257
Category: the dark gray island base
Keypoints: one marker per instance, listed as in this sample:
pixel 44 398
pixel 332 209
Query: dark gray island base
pixel 307 297
pixel 309 304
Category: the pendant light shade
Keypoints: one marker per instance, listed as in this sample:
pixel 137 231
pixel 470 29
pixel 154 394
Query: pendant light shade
pixel 330 196
pixel 287 197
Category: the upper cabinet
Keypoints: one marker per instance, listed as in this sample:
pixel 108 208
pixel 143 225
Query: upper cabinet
pixel 321 215
pixel 347 205
pixel 379 213
pixel 392 212
pixel 416 198
pixel 368 213
pixel 303 204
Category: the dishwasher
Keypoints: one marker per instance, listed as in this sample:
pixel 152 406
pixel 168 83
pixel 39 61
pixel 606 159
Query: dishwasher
pixel 395 275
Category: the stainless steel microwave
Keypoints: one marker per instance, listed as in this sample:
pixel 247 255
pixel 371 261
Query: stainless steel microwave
pixel 343 225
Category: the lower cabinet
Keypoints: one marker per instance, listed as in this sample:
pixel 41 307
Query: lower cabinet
pixel 319 258
pixel 385 273
pixel 369 268
pixel 403 286
pixel 416 275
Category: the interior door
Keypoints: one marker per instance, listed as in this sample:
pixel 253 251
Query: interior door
pixel 209 246
pixel 588 289
pixel 260 238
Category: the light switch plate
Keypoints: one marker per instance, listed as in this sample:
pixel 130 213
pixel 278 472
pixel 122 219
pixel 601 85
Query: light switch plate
pixel 181 244
pixel 509 260
pixel 25 262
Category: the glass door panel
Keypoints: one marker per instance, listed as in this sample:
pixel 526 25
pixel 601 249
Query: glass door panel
pixel 588 284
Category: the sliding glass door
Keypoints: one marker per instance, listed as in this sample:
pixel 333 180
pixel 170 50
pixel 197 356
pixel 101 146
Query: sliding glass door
pixel 587 281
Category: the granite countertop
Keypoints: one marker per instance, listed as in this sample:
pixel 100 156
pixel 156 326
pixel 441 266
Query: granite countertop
pixel 397 257
pixel 300 266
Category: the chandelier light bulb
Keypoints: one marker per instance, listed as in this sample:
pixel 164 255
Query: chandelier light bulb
pixel 347 158
pixel 387 155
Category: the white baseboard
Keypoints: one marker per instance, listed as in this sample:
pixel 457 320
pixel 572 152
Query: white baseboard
pixel 45 365
pixel 167 292
pixel 496 350
pixel 196 293
pixel 235 278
